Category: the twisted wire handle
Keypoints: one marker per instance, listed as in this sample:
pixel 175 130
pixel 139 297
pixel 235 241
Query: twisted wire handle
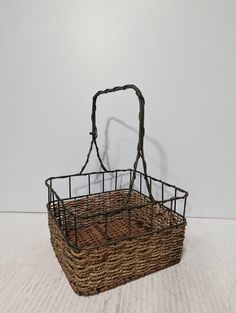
pixel 140 152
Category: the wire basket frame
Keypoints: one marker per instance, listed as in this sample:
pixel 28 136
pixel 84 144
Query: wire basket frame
pixel 111 209
pixel 70 213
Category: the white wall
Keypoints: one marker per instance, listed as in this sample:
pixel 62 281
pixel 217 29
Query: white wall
pixel 56 54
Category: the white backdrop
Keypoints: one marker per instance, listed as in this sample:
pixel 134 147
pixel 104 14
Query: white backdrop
pixel 56 54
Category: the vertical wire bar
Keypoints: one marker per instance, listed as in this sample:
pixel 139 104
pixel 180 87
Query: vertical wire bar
pixel 175 199
pixel 89 187
pixel 116 181
pixel 103 187
pixel 53 203
pixel 64 214
pixel 140 183
pixel 87 202
pixel 49 194
pixel 185 199
pixel 130 177
pixel 171 210
pixel 152 207
pixel 109 192
pixel 70 187
pixel 59 210
pixel 75 230
pixel 150 183
pixel 162 193
pixel 109 200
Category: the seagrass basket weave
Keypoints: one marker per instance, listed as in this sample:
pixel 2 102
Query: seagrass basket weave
pixel 110 227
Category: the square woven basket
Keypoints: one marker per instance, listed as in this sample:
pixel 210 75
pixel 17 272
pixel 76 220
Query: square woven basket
pixel 116 226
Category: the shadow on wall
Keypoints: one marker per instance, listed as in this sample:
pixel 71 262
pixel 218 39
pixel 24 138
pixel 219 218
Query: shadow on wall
pixel 106 160
pixel 155 143
pixel 162 167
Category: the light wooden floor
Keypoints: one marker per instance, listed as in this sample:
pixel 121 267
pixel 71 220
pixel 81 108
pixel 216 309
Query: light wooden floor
pixel 31 280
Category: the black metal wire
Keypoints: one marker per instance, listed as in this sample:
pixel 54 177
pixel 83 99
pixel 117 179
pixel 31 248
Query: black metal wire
pixel 103 183
pixel 116 181
pixel 75 230
pixel 140 152
pixel 70 187
pixel 140 183
pixel 89 184
pixel 175 200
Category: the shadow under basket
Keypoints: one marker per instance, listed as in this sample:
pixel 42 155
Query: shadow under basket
pixel 106 236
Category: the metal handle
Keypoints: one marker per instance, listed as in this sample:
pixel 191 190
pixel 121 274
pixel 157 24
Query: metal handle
pixel 141 110
pixel 140 152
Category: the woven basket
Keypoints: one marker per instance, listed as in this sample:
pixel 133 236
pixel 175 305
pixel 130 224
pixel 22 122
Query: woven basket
pixel 110 227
